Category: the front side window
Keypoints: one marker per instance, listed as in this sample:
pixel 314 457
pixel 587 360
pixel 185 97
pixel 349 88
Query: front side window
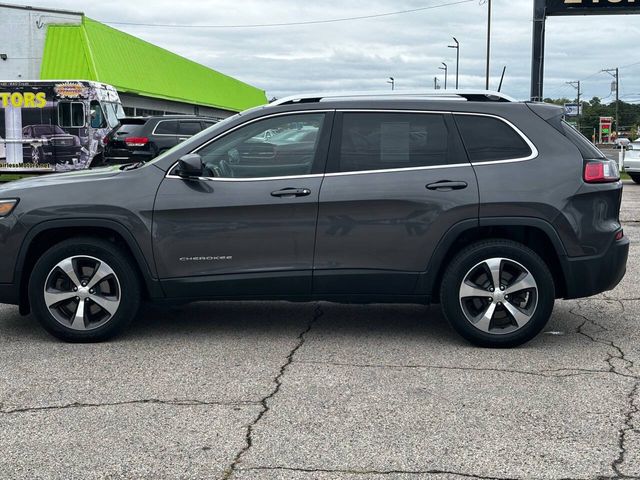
pixel 71 114
pixel 275 147
pixel 97 115
pixel 381 141
pixel 490 139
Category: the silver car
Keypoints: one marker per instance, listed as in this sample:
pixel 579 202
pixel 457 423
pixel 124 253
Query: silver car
pixel 632 161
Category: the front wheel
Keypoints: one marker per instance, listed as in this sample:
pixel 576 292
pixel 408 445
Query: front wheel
pixel 635 177
pixel 498 293
pixel 84 290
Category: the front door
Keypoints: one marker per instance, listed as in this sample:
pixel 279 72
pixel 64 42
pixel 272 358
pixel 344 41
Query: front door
pixel 395 183
pixel 248 228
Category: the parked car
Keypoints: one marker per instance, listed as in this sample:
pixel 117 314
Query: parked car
pixel 622 142
pixel 471 200
pixel 632 161
pixel 50 144
pixel 144 138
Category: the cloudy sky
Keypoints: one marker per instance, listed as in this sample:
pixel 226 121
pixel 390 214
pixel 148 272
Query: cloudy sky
pixel 362 54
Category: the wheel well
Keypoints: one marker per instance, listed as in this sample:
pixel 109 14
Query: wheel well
pixel 48 238
pixel 532 237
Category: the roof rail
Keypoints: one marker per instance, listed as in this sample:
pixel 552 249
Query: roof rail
pixel 443 95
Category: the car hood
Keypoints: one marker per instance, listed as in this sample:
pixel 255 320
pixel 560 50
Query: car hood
pixel 57 179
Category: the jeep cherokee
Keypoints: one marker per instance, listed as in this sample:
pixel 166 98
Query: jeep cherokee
pixel 491 207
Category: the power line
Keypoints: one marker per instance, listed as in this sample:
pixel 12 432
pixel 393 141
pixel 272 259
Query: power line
pixel 291 24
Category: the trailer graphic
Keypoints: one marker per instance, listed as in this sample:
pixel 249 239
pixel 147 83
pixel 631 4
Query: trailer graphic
pixel 53 126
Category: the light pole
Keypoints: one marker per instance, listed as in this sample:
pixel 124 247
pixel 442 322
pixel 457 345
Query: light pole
pixel 446 73
pixel 457 47
pixel 488 45
pixel 435 83
pixel 392 81
pixel 577 86
pixel 615 73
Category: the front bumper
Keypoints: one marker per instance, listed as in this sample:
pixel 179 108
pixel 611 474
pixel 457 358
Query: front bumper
pixel 588 276
pixel 9 294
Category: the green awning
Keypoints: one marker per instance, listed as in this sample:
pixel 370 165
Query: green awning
pixel 94 51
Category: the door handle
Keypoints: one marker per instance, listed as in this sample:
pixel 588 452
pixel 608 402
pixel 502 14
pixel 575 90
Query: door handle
pixel 291 192
pixel 447 186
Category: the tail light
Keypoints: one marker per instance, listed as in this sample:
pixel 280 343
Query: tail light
pixel 601 171
pixel 619 235
pixel 136 141
pixel 105 140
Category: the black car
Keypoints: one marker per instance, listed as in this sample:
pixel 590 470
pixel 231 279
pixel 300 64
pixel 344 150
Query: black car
pixel 50 144
pixel 144 138
pixel 491 207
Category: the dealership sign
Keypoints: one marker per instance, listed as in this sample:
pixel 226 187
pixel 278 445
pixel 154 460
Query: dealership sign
pixel 547 8
pixel 591 7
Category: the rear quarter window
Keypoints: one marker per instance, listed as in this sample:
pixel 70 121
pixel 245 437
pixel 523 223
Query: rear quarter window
pixel 166 127
pixel 489 139
pixel 587 149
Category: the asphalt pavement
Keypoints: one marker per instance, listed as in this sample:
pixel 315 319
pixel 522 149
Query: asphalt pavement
pixel 262 391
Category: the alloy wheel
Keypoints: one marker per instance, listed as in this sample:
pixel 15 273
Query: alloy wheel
pixel 499 296
pixel 82 293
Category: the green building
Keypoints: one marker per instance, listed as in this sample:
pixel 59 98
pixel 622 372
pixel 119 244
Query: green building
pixel 55 44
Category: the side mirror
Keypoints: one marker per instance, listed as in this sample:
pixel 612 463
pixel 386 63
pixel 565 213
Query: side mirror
pixel 190 166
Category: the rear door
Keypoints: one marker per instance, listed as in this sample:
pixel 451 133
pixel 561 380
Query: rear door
pixel 165 135
pixel 396 182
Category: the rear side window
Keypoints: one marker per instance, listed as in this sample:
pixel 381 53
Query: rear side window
pixel 489 139
pixel 381 141
pixel 71 114
pixel 587 149
pixel 189 128
pixel 167 127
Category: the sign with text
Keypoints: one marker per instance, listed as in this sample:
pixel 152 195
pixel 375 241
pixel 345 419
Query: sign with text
pixel 592 7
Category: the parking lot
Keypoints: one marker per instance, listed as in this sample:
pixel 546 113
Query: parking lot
pixel 323 391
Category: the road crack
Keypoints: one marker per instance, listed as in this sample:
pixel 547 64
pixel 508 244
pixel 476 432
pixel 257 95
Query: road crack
pixel 277 383
pixel 632 408
pixel 367 472
pixel 145 401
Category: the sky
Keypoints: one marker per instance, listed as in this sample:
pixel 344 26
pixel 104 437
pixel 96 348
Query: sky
pixel 362 54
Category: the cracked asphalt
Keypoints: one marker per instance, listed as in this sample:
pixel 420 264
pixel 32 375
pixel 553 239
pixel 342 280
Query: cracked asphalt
pixel 270 391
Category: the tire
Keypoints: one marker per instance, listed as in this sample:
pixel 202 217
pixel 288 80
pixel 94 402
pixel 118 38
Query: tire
pixel 635 177
pixel 502 318
pixel 108 307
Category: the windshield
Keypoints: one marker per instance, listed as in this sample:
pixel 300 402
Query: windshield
pixel 114 113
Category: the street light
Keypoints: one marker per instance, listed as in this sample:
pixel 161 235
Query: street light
pixel 446 71
pixel 392 81
pixel 488 45
pixel 457 47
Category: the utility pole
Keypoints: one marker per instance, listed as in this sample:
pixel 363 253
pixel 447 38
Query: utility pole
pixel 615 73
pixel 488 45
pixel 446 71
pixel 577 86
pixel 457 47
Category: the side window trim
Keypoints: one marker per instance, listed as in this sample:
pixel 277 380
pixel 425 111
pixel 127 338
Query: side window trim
pixel 321 154
pixel 534 151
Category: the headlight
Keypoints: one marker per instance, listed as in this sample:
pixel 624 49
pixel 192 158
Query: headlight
pixel 7 206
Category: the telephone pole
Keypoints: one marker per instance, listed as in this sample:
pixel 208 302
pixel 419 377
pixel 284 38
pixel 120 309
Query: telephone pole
pixel 577 86
pixel 615 73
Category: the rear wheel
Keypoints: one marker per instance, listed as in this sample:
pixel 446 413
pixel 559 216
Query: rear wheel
pixel 84 290
pixel 635 177
pixel 498 293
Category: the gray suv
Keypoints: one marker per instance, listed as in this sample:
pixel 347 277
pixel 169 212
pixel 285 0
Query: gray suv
pixel 492 208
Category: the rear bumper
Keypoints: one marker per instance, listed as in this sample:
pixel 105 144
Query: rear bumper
pixel 588 276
